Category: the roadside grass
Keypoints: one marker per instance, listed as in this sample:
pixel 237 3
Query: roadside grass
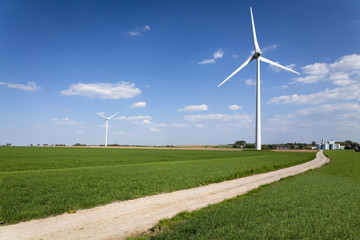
pixel 40 182
pixel 319 204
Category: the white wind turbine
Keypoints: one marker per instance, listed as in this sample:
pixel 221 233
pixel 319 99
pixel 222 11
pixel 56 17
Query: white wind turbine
pixel 258 57
pixel 107 125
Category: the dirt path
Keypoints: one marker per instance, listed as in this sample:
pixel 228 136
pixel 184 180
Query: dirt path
pixel 122 219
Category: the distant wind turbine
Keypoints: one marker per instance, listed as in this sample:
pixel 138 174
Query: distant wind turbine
pixel 107 125
pixel 258 57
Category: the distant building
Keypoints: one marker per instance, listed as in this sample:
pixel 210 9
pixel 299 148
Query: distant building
pixel 330 145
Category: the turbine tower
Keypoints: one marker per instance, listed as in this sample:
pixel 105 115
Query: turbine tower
pixel 107 125
pixel 258 57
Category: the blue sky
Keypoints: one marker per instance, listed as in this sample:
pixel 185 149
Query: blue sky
pixel 158 64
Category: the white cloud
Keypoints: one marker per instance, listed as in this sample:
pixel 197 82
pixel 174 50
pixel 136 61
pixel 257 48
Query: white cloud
pixel 277 69
pixel 343 73
pixel 327 116
pixel 281 124
pixel 30 86
pixel 137 119
pixel 242 118
pixel 146 28
pixel 146 121
pixel 155 130
pixel 65 121
pixel 341 78
pixel 335 109
pixel 234 107
pixel 139 31
pixel 104 125
pixel 342 93
pixel 235 55
pixel 193 108
pixel 339 72
pixel 134 118
pixel 250 82
pixel 316 69
pixel 346 63
pixel 181 125
pixel 207 61
pixel 103 90
pixel 194 118
pixel 133 34
pixel 270 47
pixel 216 55
pixel 309 79
pixel 267 48
pixel 139 105
pixel 221 123
pixel 338 108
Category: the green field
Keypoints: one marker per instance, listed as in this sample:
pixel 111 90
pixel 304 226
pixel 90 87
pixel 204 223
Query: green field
pixel 319 204
pixel 39 182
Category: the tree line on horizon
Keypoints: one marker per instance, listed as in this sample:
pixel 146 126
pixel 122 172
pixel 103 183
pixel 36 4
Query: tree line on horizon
pixel 348 144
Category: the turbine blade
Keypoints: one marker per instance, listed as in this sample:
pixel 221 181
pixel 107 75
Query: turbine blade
pixel 101 115
pixel 237 70
pixel 256 45
pixel 113 115
pixel 277 65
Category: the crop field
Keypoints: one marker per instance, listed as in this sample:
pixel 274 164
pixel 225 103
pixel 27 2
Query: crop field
pixel 39 182
pixel 319 204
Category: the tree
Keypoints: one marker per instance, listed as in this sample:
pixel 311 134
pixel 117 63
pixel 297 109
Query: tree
pixel 239 144
pixel 249 145
pixel 349 144
pixel 79 144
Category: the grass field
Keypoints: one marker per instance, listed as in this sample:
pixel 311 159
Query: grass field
pixel 320 204
pixel 39 182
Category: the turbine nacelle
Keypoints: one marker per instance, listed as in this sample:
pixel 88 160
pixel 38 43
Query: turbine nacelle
pixel 256 55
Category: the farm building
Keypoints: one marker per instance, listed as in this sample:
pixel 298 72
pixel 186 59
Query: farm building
pixel 330 145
